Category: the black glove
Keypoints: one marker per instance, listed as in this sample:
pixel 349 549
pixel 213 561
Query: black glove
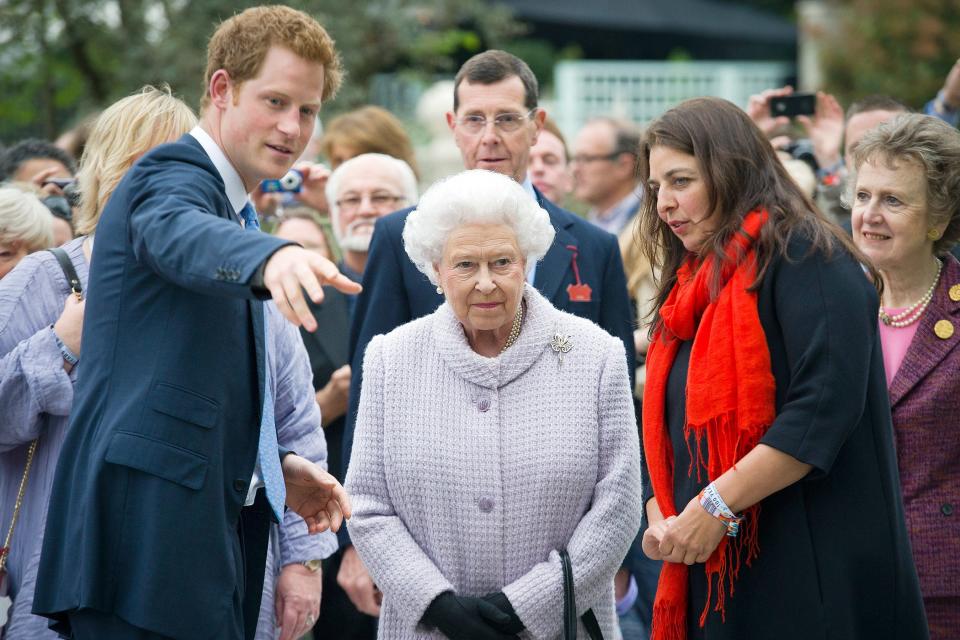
pixel 499 600
pixel 467 618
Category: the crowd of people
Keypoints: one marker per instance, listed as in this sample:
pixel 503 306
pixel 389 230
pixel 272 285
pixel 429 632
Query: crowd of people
pixel 254 385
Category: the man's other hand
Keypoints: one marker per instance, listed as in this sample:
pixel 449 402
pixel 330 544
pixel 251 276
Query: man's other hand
pixel 315 494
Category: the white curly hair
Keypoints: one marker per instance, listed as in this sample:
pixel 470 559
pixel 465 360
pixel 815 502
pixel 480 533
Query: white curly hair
pixel 474 197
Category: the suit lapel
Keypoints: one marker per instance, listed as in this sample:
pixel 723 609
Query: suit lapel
pixel 552 271
pixel 927 350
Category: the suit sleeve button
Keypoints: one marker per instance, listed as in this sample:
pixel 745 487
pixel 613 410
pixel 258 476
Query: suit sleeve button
pixel 240 486
pixel 946 509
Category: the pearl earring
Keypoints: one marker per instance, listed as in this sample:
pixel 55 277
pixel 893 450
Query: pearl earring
pixel 439 289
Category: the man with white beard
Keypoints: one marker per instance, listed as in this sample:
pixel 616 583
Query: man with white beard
pixel 359 191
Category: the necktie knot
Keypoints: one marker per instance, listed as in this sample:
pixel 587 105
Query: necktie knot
pixel 249 215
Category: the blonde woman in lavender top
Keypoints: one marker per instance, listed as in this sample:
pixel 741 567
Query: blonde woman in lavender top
pixel 492 435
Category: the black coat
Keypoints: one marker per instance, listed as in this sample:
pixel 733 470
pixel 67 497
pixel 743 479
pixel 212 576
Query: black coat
pixel 834 560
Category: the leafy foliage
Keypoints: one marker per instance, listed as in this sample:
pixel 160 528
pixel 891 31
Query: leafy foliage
pixel 903 48
pixel 60 59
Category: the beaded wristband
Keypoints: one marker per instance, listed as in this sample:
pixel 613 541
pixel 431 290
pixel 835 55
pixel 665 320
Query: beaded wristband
pixel 713 504
pixel 68 355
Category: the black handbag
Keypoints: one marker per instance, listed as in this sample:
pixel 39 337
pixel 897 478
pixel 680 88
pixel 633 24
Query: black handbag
pixel 570 606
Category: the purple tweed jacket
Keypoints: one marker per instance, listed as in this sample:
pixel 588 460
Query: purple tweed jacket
pixel 925 401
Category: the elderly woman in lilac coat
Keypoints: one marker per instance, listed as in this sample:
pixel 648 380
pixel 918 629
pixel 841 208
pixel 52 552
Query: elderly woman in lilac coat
pixel 40 320
pixel 492 435
pixel 906 218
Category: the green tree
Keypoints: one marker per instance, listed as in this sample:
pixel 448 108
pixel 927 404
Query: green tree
pixel 903 48
pixel 60 59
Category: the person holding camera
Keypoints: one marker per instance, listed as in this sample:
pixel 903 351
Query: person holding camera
pixel 51 171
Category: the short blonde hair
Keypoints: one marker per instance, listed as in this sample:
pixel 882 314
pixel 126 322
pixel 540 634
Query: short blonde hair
pixel 24 220
pixel 240 45
pixel 125 131
pixel 369 129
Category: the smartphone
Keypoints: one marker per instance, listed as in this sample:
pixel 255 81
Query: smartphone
pixel 798 104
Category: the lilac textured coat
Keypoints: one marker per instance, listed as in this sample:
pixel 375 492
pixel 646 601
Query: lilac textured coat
pixel 470 474
pixel 925 401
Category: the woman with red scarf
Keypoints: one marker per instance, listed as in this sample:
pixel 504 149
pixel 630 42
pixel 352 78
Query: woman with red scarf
pixel 772 493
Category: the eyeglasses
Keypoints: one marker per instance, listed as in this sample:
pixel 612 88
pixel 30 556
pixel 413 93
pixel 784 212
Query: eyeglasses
pixel 378 201
pixel 504 123
pixel 584 158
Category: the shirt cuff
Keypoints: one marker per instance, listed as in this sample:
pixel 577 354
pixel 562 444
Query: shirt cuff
pixel 625 603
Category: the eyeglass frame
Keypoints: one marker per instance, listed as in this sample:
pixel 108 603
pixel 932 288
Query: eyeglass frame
pixel 483 121
pixel 587 158
pixel 395 199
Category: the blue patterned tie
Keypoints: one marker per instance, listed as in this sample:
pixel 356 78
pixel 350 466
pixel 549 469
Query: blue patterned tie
pixel 268 455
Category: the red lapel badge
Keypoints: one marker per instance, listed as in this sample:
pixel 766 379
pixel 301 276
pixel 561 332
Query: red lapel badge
pixel 579 292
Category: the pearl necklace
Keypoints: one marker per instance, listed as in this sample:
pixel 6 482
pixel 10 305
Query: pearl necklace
pixel 515 329
pixel 912 313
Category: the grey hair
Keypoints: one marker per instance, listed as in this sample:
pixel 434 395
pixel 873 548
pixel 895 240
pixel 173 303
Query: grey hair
pixel 24 220
pixel 934 146
pixel 408 183
pixel 474 197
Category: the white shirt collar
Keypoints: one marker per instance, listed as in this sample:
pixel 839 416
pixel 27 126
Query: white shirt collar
pixel 527 185
pixel 233 184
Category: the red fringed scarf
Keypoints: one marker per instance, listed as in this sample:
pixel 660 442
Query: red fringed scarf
pixel 730 400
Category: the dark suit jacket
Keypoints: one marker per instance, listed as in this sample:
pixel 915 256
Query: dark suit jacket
pixel 163 438
pixel 327 348
pixel 396 292
pixel 925 399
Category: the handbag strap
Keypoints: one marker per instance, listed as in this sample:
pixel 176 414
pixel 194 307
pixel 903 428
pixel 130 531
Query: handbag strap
pixel 5 551
pixel 73 280
pixel 570 606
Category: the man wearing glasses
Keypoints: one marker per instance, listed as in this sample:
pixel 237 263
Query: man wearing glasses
pixel 359 192
pixel 495 121
pixel 604 172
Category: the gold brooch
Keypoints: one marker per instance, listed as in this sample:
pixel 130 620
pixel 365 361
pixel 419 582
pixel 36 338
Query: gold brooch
pixel 943 329
pixel 561 344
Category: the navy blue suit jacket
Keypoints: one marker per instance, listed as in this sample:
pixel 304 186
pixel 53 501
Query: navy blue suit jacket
pixel 163 439
pixel 396 292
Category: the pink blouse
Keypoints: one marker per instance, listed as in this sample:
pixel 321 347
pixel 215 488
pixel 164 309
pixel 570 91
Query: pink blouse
pixel 895 341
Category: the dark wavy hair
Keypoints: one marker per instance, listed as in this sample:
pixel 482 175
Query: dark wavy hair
pixel 742 173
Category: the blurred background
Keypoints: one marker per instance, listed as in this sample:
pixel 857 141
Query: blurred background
pixel 62 60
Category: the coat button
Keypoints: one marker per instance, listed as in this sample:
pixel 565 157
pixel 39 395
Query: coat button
pixel 483 404
pixel 240 486
pixel 946 509
pixel 486 504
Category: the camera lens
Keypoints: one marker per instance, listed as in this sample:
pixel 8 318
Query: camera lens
pixel 291 181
